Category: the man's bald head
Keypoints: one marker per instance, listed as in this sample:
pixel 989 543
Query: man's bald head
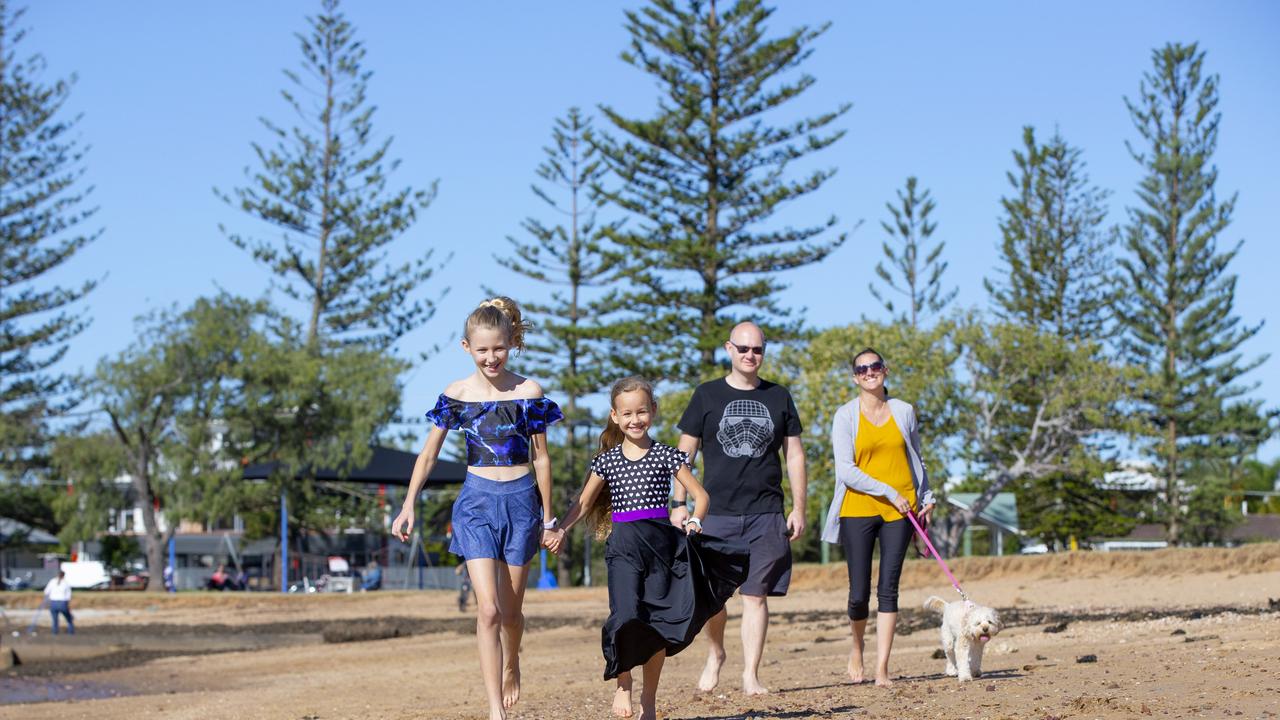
pixel 746 333
pixel 746 349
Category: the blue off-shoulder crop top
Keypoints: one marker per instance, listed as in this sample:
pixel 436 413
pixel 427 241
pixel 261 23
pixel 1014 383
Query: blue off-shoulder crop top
pixel 497 431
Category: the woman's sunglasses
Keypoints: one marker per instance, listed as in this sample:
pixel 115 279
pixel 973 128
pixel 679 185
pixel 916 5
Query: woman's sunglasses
pixel 860 370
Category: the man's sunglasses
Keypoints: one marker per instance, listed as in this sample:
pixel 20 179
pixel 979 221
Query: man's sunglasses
pixel 744 349
pixel 860 370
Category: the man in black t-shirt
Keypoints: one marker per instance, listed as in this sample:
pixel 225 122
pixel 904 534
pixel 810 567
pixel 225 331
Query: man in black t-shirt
pixel 740 423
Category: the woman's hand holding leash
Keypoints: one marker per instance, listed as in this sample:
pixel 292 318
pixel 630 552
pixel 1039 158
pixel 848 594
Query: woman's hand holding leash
pixel 902 505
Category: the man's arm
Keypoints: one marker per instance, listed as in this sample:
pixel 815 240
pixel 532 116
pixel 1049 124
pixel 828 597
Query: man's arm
pixel 793 450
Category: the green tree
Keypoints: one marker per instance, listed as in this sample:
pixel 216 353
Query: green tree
pixel 919 266
pixel 819 374
pixel 1055 254
pixel 1178 318
pixel 1055 276
pixel 202 392
pixel 704 177
pixel 323 185
pixel 43 220
pixel 1033 403
pixel 567 354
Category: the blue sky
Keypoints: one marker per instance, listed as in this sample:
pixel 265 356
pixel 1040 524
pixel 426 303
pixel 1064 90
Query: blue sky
pixel 171 93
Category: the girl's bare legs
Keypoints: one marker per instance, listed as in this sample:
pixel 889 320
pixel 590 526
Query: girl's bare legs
pixel 622 696
pixel 511 584
pixel 886 624
pixel 859 629
pixel 649 693
pixel 484 578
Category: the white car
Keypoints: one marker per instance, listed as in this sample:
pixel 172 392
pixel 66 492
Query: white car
pixel 86 575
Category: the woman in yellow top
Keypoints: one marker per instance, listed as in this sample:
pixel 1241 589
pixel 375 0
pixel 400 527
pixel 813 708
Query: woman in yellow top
pixel 879 478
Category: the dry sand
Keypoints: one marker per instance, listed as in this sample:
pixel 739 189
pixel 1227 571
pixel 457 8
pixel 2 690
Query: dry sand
pixel 1177 633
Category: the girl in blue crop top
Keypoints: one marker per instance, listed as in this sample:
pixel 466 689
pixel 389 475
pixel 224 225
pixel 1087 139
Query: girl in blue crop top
pixel 503 513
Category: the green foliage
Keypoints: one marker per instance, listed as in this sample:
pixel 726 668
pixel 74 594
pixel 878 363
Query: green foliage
pixel 820 377
pixel 1034 405
pixel 30 504
pixel 1210 513
pixel 1178 316
pixel 1055 254
pixel 703 177
pixel 91 466
pixel 323 186
pixel 119 552
pixel 200 393
pixel 42 219
pixel 919 265
pixel 1055 277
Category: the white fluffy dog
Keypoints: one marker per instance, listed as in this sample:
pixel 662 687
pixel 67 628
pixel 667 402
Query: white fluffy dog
pixel 966 628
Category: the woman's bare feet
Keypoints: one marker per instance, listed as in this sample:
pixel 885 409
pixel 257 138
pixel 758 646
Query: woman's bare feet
pixel 648 713
pixel 856 672
pixel 752 686
pixel 622 702
pixel 511 684
pixel 882 678
pixel 711 672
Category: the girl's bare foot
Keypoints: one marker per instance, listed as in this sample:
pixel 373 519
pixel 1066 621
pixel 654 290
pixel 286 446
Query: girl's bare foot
pixel 856 673
pixel 511 684
pixel 622 703
pixel 711 672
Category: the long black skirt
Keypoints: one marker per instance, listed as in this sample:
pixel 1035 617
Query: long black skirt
pixel 663 587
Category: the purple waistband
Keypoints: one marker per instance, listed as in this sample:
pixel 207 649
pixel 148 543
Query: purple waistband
pixel 645 514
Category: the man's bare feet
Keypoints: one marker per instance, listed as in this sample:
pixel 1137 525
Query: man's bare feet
pixel 648 713
pixel 752 686
pixel 622 703
pixel 856 672
pixel 511 684
pixel 711 672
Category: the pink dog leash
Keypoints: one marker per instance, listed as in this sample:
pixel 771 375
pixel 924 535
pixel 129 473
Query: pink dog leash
pixel 937 556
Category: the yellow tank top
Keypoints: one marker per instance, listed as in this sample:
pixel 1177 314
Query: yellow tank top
pixel 881 452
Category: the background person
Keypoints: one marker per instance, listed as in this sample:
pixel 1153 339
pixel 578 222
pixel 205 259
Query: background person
pixel 58 593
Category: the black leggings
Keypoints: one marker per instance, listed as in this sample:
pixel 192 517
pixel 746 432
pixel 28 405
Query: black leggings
pixel 858 536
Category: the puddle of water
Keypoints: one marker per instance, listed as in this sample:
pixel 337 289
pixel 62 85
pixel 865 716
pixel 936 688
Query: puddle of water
pixel 16 690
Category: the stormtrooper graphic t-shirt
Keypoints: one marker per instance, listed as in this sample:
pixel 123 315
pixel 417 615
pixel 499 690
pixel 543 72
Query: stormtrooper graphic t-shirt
pixel 742 433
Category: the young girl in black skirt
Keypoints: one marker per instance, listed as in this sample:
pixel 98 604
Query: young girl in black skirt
pixel 664 583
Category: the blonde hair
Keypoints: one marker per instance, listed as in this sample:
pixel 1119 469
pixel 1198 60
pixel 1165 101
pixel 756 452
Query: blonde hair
pixel 498 313
pixel 611 437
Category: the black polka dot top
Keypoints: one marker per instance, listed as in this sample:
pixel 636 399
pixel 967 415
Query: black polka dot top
pixel 639 489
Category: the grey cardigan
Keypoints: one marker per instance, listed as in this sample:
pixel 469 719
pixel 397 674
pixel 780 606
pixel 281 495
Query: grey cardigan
pixel 844 432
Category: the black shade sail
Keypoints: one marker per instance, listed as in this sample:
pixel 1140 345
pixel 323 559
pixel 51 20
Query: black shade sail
pixel 387 467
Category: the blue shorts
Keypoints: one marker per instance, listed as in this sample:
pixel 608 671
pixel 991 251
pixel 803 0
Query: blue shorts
pixel 498 520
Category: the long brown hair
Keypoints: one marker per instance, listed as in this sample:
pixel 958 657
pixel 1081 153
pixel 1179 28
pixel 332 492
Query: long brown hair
pixel 602 511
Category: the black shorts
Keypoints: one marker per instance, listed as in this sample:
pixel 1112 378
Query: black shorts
pixel 765 534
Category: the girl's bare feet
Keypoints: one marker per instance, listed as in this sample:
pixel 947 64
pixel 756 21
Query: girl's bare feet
pixel 511 684
pixel 711 672
pixel 622 702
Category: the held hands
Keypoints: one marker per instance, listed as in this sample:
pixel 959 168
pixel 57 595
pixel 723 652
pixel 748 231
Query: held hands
pixel 405 518
pixel 692 525
pixel 679 515
pixel 553 540
pixel 795 523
